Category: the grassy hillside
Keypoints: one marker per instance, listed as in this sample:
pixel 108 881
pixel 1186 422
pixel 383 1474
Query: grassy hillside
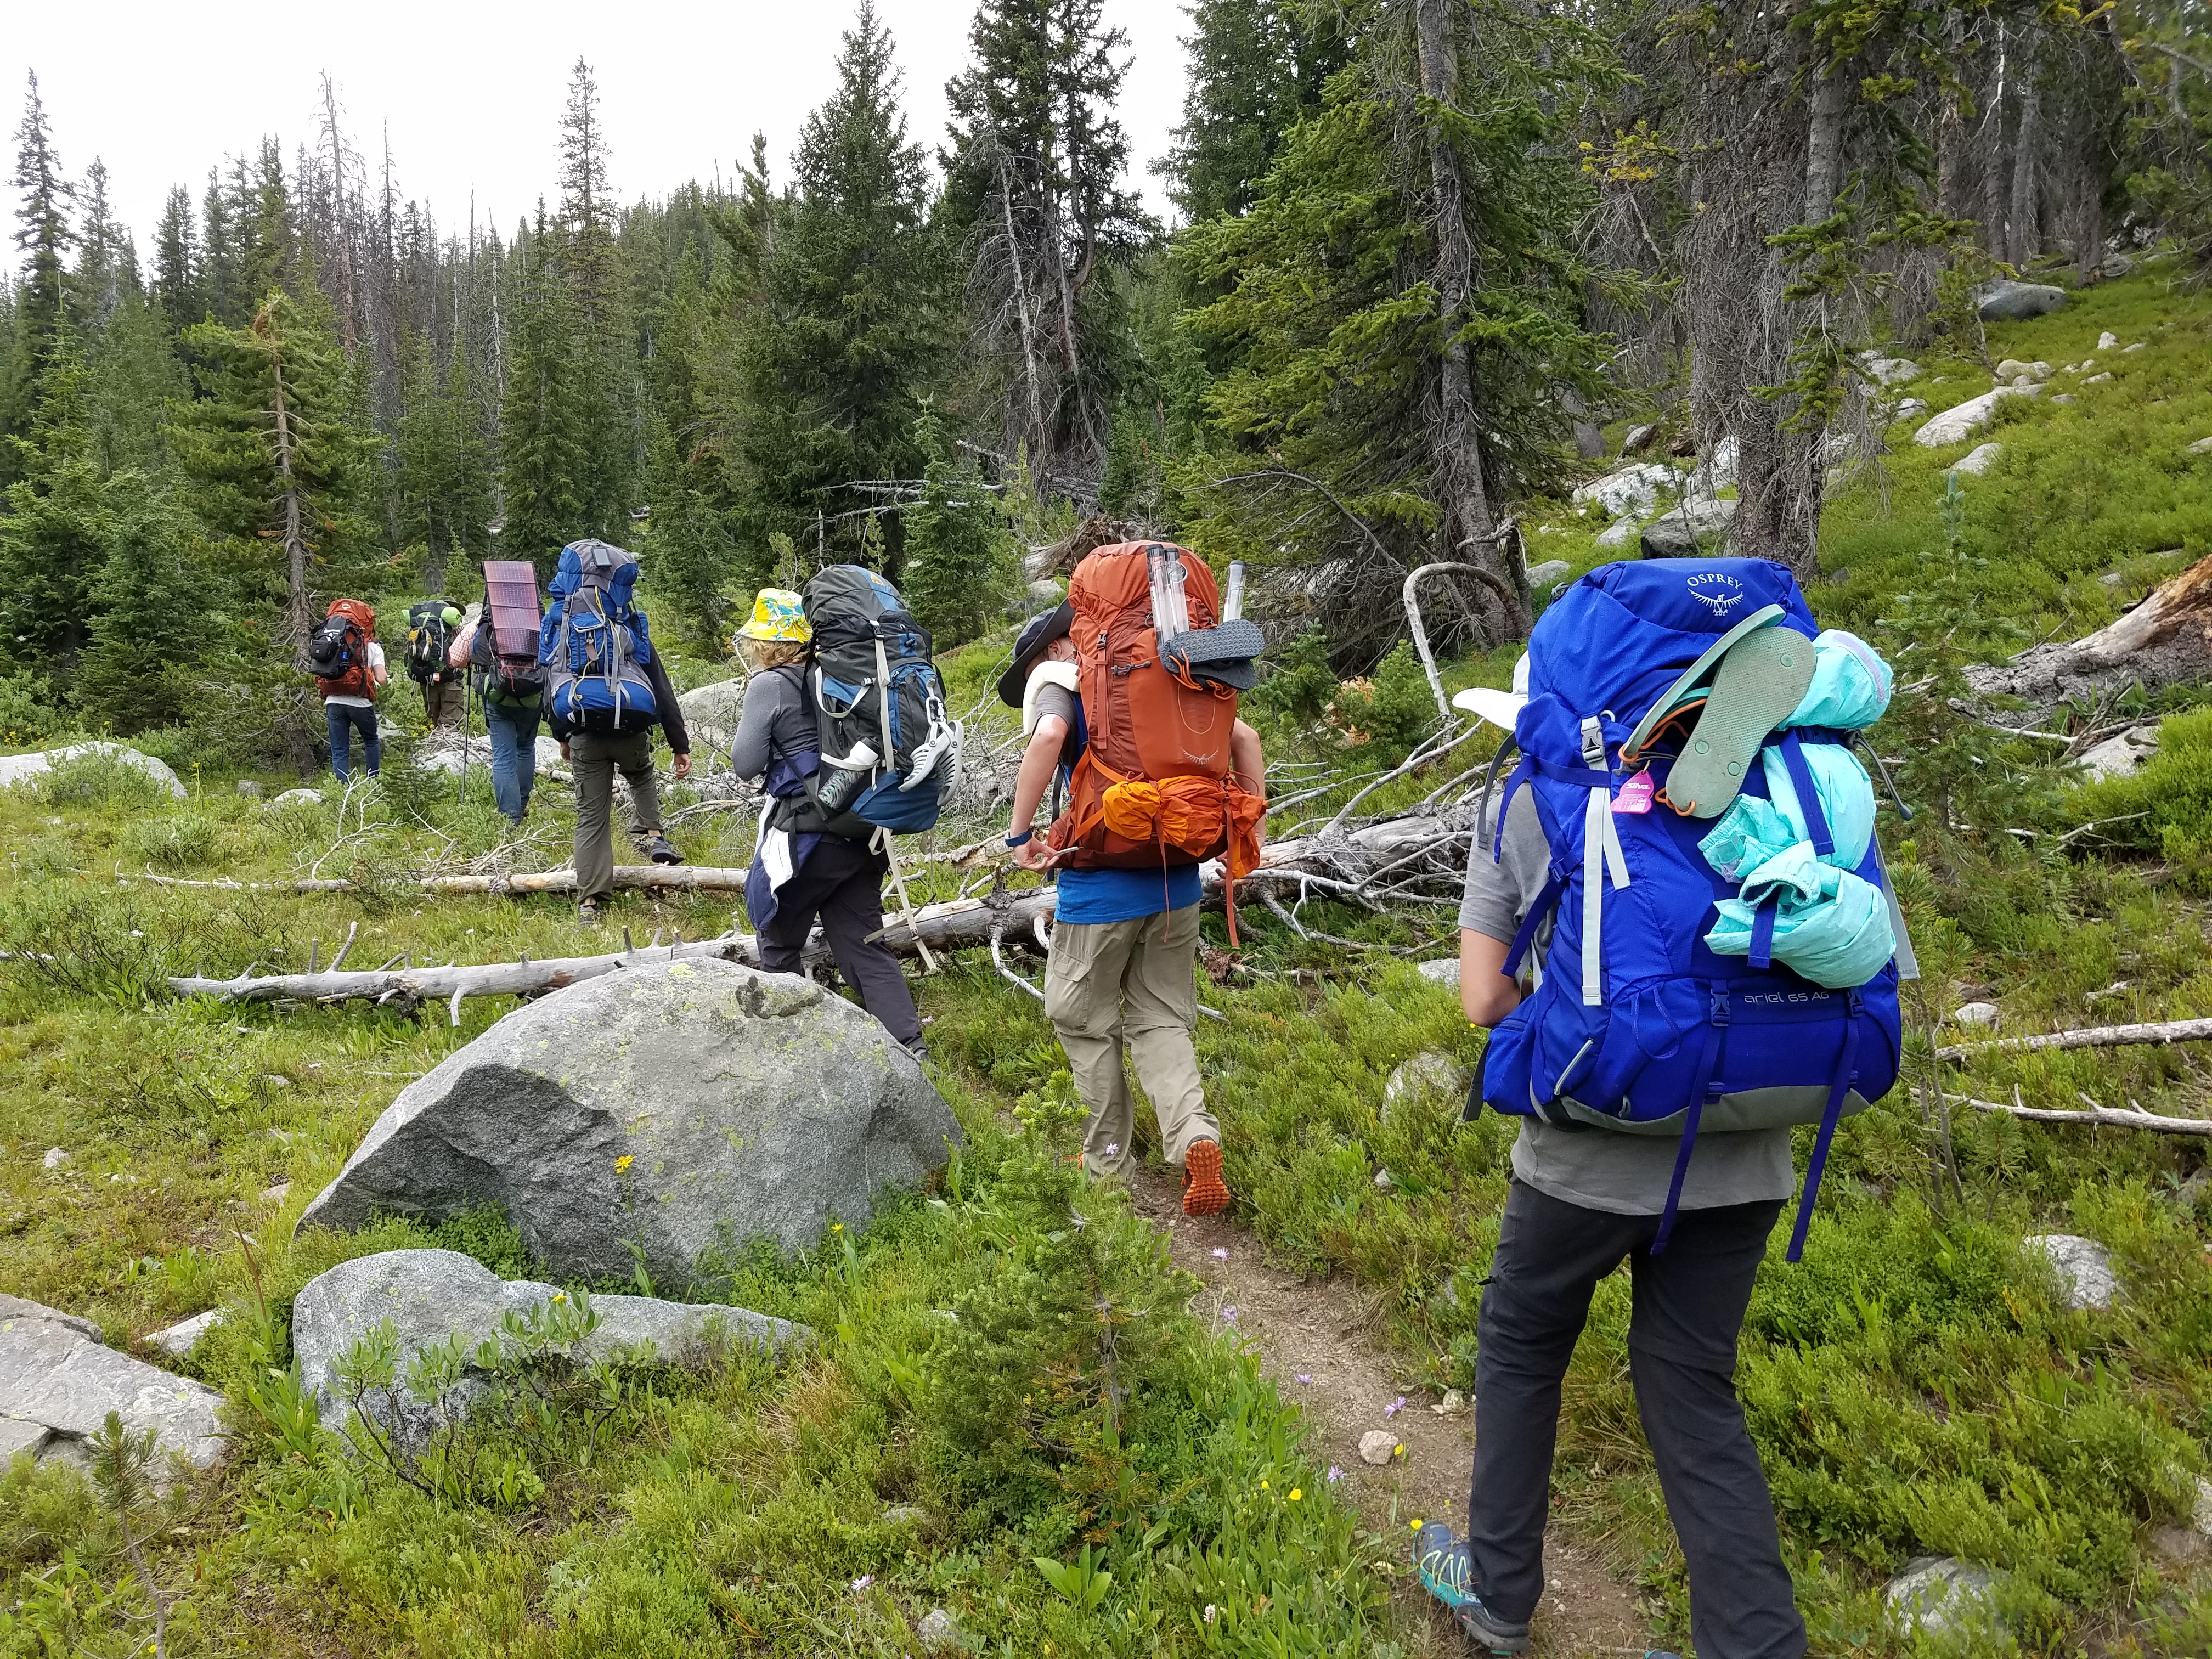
pixel 1916 1385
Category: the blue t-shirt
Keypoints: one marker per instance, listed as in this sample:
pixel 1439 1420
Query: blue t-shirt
pixel 1088 896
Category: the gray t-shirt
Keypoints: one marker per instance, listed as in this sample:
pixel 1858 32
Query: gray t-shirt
pixel 775 723
pixel 1599 1168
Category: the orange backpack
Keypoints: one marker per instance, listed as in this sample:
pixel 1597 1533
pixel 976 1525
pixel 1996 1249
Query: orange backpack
pixel 1153 786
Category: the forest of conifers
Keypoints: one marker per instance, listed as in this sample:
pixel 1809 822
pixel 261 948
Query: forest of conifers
pixel 1423 252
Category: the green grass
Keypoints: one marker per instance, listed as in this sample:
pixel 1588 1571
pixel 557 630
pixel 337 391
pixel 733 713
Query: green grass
pixel 1914 1385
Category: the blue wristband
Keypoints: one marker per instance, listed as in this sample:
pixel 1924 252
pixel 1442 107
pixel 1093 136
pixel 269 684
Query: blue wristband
pixel 1020 839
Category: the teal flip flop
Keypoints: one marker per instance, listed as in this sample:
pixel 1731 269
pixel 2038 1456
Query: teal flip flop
pixel 1761 680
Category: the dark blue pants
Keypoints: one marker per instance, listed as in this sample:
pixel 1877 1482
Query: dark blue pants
pixel 1689 1305
pixel 513 733
pixel 345 720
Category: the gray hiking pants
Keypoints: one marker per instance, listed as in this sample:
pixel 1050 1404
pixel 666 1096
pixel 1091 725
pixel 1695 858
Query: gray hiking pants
pixel 595 759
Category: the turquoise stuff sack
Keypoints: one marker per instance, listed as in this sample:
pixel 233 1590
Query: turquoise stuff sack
pixel 1826 924
pixel 1852 684
pixel 1753 830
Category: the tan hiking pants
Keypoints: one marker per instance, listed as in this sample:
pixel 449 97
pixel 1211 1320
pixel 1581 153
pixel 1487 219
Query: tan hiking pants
pixel 595 759
pixel 1112 984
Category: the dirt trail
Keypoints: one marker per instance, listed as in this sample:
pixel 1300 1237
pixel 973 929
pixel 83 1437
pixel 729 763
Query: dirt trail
pixel 1312 1335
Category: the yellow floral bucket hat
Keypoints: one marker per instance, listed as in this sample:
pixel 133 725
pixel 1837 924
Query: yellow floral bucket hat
pixel 778 614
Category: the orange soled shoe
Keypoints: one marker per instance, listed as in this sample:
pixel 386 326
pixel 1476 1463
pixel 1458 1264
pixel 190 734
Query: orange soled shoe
pixel 1203 1191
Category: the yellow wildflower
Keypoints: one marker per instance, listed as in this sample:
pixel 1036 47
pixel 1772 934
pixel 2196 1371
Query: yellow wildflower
pixel 1296 1494
pixel 623 1163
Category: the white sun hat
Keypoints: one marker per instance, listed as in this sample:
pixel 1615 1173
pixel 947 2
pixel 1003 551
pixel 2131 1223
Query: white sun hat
pixel 1498 708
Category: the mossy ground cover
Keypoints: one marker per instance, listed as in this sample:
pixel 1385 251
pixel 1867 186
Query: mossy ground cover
pixel 1916 1384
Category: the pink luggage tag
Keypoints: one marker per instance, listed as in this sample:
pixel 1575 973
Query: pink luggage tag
pixel 1636 794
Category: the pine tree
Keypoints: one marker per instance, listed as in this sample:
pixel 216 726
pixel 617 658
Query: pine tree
pixel 136 376
pixel 106 262
pixel 153 602
pixel 177 283
pixel 543 458
pixel 845 327
pixel 605 389
pixel 1256 68
pixel 1034 184
pixel 441 480
pixel 43 237
pixel 277 459
pixel 53 535
pixel 223 285
pixel 960 566
pixel 1351 370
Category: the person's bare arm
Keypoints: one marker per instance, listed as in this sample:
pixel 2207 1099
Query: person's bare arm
pixel 1248 761
pixel 1484 990
pixel 1039 760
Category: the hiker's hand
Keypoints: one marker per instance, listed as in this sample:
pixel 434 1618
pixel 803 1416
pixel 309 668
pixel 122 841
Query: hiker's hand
pixel 682 766
pixel 564 752
pixel 1036 854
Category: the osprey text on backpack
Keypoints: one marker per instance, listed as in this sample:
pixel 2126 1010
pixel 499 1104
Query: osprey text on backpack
pixel 337 650
pixel 1638 1024
pixel 888 748
pixel 593 644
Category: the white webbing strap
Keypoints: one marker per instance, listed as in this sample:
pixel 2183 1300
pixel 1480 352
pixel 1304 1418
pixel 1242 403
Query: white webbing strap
pixel 1602 859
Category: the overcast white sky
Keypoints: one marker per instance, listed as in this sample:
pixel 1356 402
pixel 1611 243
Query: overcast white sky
pixel 470 91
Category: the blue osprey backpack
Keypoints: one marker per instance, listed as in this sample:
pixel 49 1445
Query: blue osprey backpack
pixel 593 644
pixel 1637 1025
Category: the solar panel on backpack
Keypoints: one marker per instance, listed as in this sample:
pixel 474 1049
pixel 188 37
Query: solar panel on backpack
pixel 511 601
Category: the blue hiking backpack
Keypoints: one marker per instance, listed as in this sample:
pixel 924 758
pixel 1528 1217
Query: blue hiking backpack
pixel 593 644
pixel 1637 1026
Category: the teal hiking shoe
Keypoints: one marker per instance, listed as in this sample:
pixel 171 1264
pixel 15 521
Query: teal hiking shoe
pixel 1448 1573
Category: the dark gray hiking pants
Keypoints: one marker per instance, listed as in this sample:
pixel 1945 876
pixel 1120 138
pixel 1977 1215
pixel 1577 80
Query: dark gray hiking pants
pixel 1689 1305
pixel 595 759
pixel 843 882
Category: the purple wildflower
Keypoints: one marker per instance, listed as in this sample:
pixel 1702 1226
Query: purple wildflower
pixel 1220 1255
pixel 1394 1407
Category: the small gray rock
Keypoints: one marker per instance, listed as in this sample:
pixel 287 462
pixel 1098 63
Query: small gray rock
pixel 938 1630
pixel 2200 1517
pixel 2108 341
pixel 1430 1071
pixel 1978 461
pixel 1382 1181
pixel 2099 379
pixel 1961 421
pixel 1615 536
pixel 1443 970
pixel 58 1382
pixel 2014 302
pixel 430 1296
pixel 2086 1281
pixel 1635 488
pixel 182 1338
pixel 249 789
pixel 2011 368
pixel 739 1104
pixel 2138 346
pixel 1688 528
pixel 2114 266
pixel 1551 571
pixel 296 798
pixel 1939 1596
pixel 2065 400
pixel 1975 1013
pixel 1638 439
pixel 1378 1447
pixel 904 1514
pixel 711 712
pixel 2201 447
pixel 2123 756
pixel 1912 409
pixel 278 1194
pixel 1889 371
pixel 54 1159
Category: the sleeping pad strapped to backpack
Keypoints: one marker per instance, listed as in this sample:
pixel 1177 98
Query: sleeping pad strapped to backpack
pixel 878 699
pixel 1638 1025
pixel 593 643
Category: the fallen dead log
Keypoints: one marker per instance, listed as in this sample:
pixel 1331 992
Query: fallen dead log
pixel 2094 1037
pixel 2107 1116
pixel 2164 641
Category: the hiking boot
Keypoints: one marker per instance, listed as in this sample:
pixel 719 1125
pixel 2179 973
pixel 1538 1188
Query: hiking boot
pixel 656 848
pixel 588 913
pixel 1448 1573
pixel 1203 1190
pixel 1758 684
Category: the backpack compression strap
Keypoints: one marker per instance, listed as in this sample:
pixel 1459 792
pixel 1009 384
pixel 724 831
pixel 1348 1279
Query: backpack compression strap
pixel 1708 1090
pixel 1846 1074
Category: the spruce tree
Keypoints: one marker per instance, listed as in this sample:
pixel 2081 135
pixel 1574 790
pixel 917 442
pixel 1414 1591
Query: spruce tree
pixel 43 237
pixel 960 566
pixel 53 535
pixel 605 390
pixel 1256 68
pixel 543 457
pixel 847 326
pixel 441 480
pixel 176 262
pixel 1034 184
pixel 277 462
pixel 155 612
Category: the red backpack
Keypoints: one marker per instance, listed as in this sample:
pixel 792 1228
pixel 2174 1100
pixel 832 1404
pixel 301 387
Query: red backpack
pixel 337 650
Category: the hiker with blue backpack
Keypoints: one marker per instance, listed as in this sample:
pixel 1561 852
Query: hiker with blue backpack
pixel 845 725
pixel 1677 927
pixel 606 691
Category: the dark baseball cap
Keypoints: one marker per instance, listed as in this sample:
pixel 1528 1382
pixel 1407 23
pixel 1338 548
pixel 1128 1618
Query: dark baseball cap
pixel 1038 632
